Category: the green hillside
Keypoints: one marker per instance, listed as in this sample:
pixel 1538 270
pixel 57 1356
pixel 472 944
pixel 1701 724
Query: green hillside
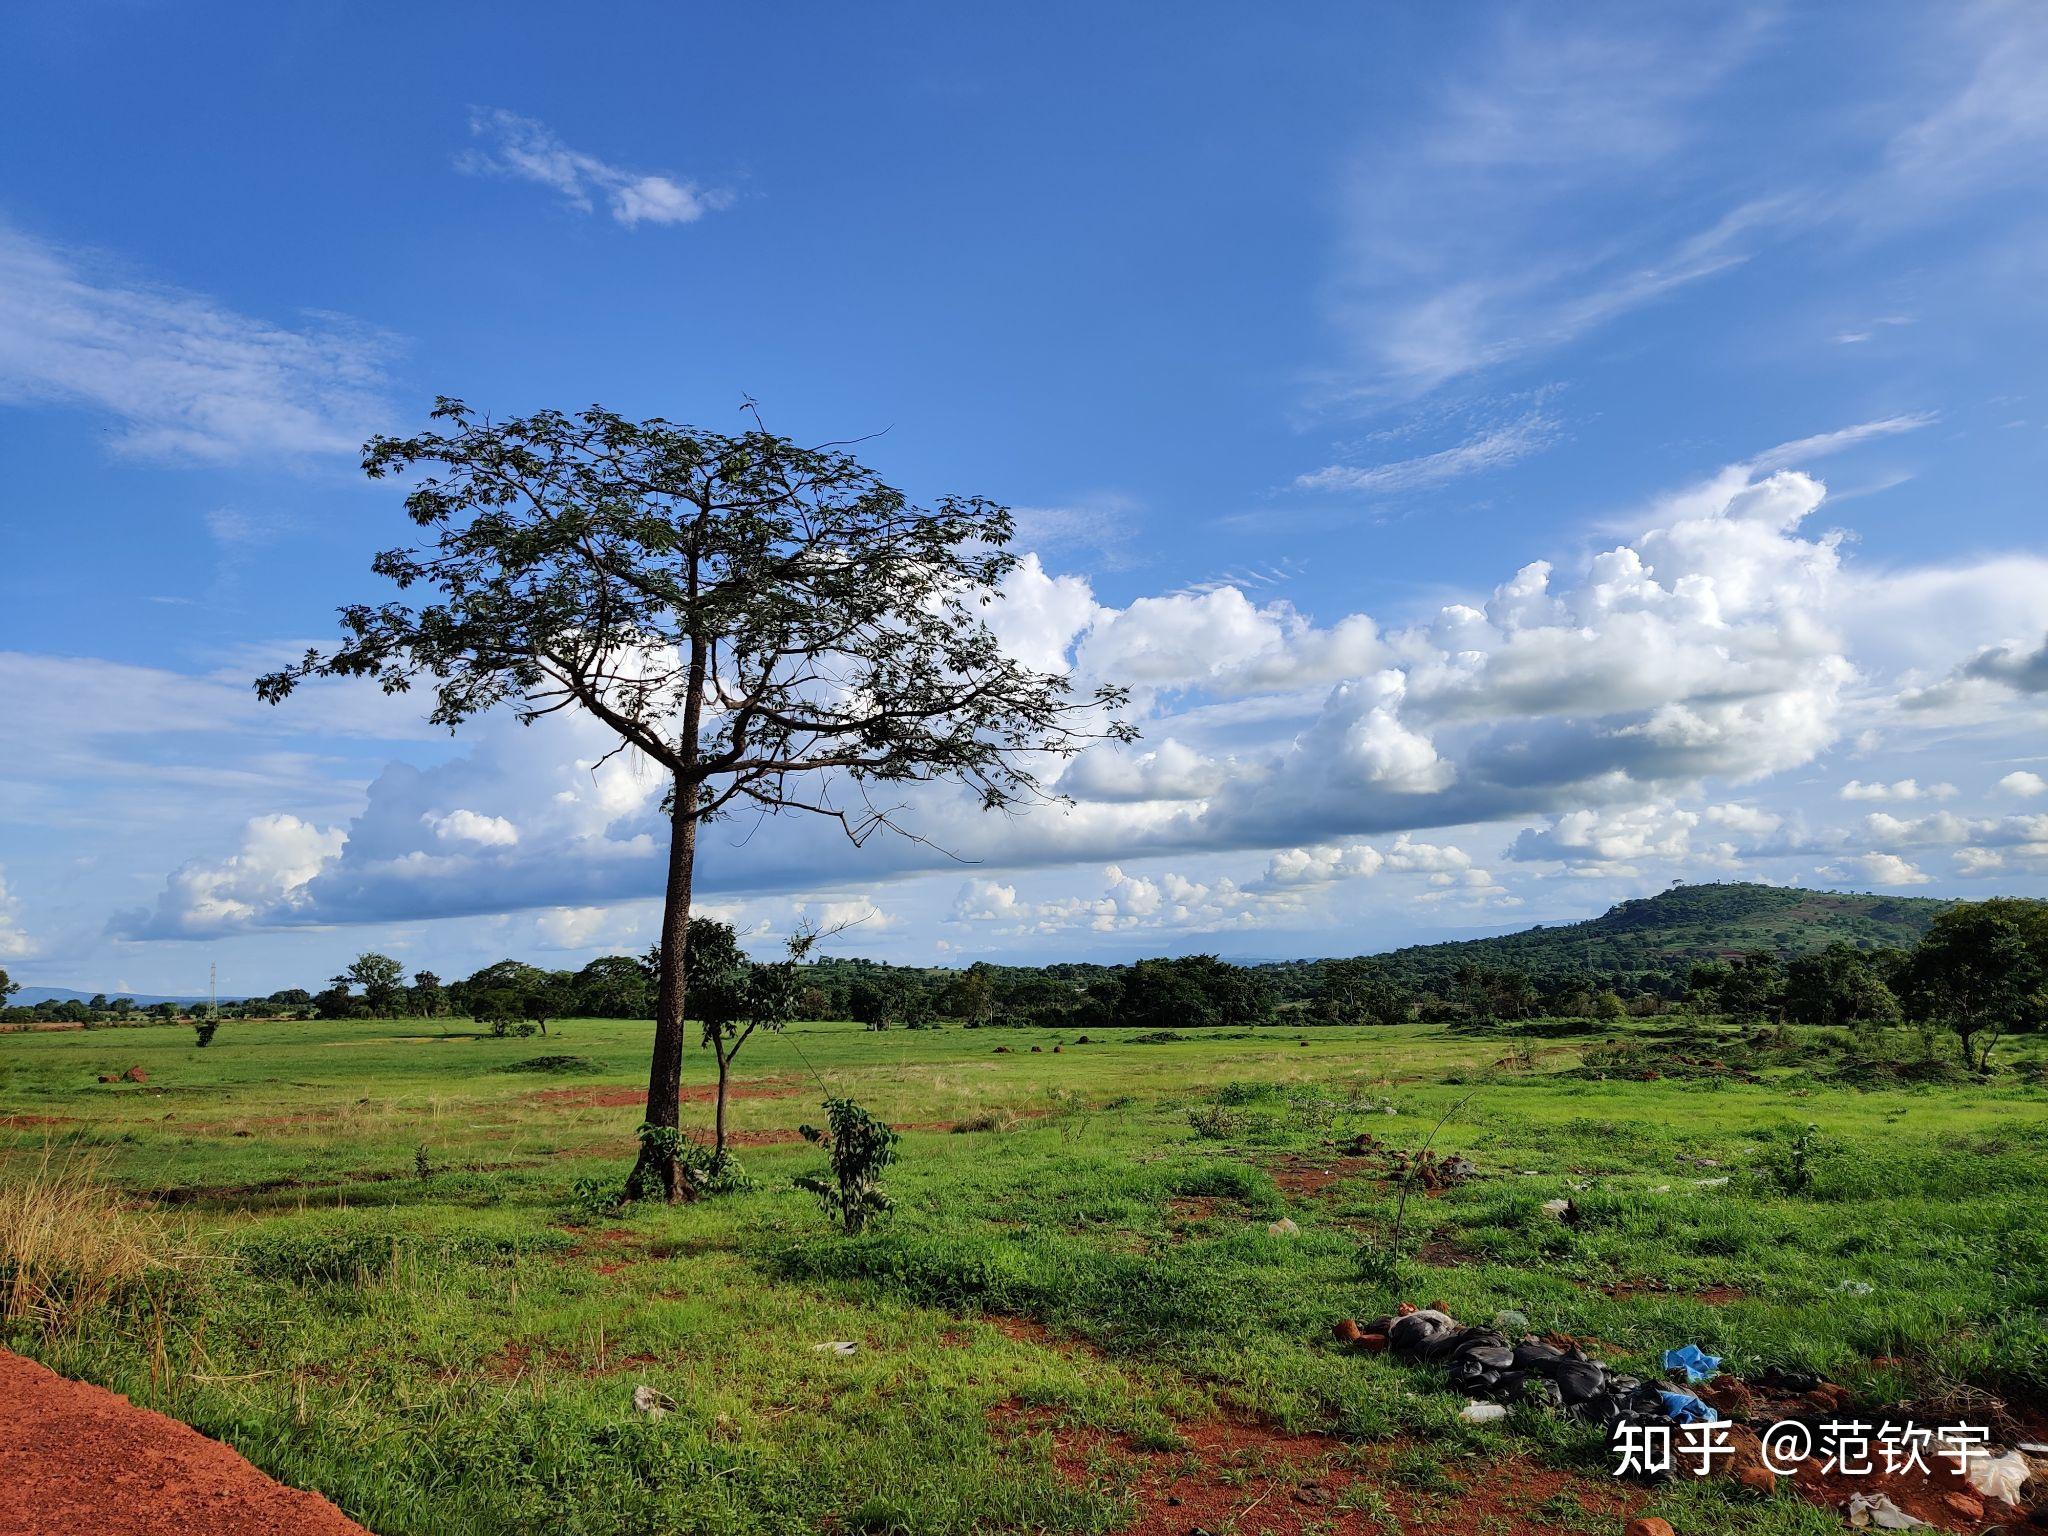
pixel 1672 929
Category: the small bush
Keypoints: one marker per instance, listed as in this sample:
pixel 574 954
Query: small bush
pixel 1213 1122
pixel 860 1147
pixel 1248 1093
pixel 597 1197
pixel 1157 1037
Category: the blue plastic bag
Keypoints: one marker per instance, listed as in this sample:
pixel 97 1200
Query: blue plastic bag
pixel 1684 1408
pixel 1696 1364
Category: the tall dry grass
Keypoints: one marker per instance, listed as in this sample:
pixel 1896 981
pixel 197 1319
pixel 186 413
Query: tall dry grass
pixel 67 1244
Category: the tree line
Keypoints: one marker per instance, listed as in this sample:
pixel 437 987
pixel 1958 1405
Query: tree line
pixel 1980 972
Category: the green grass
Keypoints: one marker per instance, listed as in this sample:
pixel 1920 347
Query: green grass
pixel 457 1352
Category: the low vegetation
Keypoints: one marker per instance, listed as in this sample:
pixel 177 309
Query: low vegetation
pixel 70 1247
pixel 401 1244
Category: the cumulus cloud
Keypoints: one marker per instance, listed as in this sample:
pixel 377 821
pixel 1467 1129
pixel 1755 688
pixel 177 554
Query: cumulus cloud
pixel 1876 869
pixel 1898 789
pixel 2023 669
pixel 460 826
pixel 264 881
pixel 15 943
pixel 1616 835
pixel 2024 784
pixel 183 377
pixel 523 149
pixel 1600 702
pixel 1170 771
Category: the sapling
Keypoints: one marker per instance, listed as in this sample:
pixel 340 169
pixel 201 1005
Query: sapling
pixel 860 1147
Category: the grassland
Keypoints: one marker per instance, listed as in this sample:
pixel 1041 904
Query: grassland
pixel 385 1291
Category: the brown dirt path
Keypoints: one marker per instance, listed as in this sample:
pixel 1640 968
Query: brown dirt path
pixel 78 1458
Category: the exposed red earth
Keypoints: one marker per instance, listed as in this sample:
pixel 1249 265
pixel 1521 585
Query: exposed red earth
pixel 79 1459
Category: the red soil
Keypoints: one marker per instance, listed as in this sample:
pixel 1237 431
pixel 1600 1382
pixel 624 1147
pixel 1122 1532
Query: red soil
pixel 75 1457
pixel 704 1093
pixel 1245 1478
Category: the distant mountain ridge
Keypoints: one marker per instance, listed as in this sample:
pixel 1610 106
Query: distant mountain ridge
pixel 1686 923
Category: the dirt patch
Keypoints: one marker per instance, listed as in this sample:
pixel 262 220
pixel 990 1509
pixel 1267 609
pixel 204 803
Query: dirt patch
pixel 30 1122
pixel 75 1457
pixel 1444 1251
pixel 1246 1478
pixel 516 1361
pixel 1028 1330
pixel 1303 1179
pixel 700 1093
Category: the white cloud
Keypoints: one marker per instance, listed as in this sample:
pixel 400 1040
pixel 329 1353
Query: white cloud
pixel 1804 450
pixel 1977 863
pixel 15 943
pixel 2024 784
pixel 1611 835
pixel 524 149
pixel 1991 126
pixel 1170 771
pixel 1712 649
pixel 184 377
pixel 1876 869
pixel 264 882
pixel 1494 449
pixel 1898 789
pixel 462 826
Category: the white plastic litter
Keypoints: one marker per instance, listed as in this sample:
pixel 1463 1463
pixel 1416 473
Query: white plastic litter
pixel 1854 1287
pixel 1999 1477
pixel 1284 1227
pixel 1483 1413
pixel 650 1402
pixel 1556 1207
pixel 1711 1183
pixel 1874 1509
pixel 836 1347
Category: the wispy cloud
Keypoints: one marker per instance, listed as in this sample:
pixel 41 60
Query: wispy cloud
pixel 183 375
pixel 1465 246
pixel 1993 123
pixel 1495 448
pixel 525 149
pixel 1100 524
pixel 1803 450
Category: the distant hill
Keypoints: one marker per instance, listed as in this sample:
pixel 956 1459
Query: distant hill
pixel 1672 929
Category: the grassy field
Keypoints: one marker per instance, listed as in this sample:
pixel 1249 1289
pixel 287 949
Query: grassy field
pixel 386 1291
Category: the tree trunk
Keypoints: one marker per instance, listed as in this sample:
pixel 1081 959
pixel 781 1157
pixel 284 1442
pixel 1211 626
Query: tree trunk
pixel 665 1072
pixel 718 1138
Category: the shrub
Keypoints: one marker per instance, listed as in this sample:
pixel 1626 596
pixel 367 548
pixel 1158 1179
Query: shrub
pixel 204 1030
pixel 1248 1093
pixel 1213 1122
pixel 67 1245
pixel 860 1147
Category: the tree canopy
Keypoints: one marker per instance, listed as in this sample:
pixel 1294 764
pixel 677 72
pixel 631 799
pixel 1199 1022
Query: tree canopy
pixel 774 625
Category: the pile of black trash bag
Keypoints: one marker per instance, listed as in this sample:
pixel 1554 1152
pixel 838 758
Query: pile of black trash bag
pixel 1485 1363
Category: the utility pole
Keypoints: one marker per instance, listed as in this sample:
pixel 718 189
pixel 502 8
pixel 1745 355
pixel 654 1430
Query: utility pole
pixel 213 991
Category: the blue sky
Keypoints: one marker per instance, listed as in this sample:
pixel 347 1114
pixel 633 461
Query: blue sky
pixel 1521 456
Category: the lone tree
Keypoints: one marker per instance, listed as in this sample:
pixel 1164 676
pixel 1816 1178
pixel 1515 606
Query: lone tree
pixel 733 997
pixel 773 625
